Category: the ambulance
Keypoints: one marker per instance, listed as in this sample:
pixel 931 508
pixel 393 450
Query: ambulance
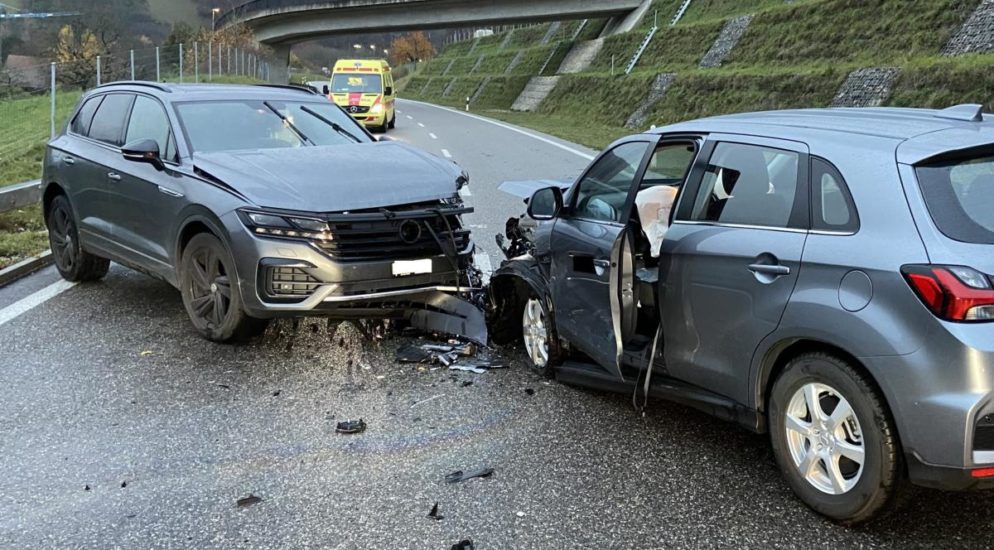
pixel 365 89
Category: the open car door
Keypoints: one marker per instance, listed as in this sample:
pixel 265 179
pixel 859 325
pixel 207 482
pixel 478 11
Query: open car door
pixel 592 254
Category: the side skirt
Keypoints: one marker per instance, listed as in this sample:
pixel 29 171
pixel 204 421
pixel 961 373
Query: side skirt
pixel 591 376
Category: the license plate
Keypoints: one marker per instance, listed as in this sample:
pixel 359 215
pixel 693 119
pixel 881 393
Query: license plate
pixel 411 267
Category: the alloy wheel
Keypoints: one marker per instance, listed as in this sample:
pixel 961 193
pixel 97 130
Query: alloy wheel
pixel 535 333
pixel 210 288
pixel 824 438
pixel 62 238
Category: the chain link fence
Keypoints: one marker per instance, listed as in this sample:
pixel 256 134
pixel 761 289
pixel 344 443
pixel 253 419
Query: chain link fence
pixel 36 97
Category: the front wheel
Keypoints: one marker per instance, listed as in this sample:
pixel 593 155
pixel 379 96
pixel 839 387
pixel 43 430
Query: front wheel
pixel 541 341
pixel 209 285
pixel 393 122
pixel 833 439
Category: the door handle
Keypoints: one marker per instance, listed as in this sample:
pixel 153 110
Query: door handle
pixel 604 264
pixel 770 269
pixel 69 160
pixel 114 176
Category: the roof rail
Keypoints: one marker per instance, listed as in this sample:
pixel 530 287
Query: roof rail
pixel 970 112
pixel 297 87
pixel 147 83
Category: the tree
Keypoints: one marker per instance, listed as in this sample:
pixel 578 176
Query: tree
pixel 76 55
pixel 411 48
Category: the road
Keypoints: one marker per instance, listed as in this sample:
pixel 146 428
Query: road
pixel 119 428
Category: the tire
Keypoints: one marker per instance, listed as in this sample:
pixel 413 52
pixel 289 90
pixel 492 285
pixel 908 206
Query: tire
pixel 393 122
pixel 851 492
pixel 539 337
pixel 73 263
pixel 210 289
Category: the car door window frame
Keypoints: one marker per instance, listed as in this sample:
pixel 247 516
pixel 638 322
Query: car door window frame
pixel 98 99
pixel 624 215
pixel 800 215
pixel 172 128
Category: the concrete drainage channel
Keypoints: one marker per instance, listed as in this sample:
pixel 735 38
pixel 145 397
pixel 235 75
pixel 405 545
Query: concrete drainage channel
pixel 11 198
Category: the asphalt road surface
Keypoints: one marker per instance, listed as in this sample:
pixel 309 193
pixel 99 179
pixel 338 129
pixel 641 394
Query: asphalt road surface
pixel 120 428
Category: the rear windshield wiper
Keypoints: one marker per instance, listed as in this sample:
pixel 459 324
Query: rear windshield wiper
pixel 289 124
pixel 329 122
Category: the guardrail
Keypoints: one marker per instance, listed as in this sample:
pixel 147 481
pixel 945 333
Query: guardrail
pixel 20 195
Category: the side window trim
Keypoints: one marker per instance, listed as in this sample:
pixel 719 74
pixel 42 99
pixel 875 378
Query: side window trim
pixel 626 212
pixel 800 217
pixel 815 199
pixel 124 128
pixel 172 134
pixel 99 98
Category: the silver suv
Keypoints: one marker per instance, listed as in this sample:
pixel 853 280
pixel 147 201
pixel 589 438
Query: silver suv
pixel 825 277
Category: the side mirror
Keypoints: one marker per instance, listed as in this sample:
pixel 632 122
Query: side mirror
pixel 388 90
pixel 545 204
pixel 325 90
pixel 143 150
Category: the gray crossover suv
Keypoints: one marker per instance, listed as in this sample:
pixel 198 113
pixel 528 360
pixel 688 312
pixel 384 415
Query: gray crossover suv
pixel 255 201
pixel 824 276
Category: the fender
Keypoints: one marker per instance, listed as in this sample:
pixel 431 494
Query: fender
pixel 507 286
pixel 196 214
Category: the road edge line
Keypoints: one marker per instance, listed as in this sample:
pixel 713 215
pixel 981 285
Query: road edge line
pixel 24 268
pixel 34 300
pixel 508 127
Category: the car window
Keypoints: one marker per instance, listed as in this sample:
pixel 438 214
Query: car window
pixel 108 122
pixel 669 164
pixel 356 83
pixel 81 122
pixel 148 121
pixel 832 205
pixel 959 195
pixel 603 191
pixel 748 185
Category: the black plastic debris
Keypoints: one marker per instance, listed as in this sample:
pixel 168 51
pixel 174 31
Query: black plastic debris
pixel 124 484
pixel 245 502
pixel 277 393
pixel 86 487
pixel 351 426
pixel 414 354
pixel 466 544
pixel 477 366
pixel 460 476
pixel 529 391
pixel 434 513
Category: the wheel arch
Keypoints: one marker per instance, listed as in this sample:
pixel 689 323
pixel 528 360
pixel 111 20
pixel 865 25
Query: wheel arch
pixel 52 190
pixel 510 287
pixel 196 220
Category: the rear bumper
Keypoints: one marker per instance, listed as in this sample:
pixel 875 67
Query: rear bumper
pixel 943 477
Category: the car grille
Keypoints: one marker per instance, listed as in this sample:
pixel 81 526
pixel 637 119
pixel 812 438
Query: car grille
pixel 356 109
pixel 406 235
pixel 290 281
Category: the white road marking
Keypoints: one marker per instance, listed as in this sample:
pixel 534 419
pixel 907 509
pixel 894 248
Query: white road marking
pixel 465 192
pixel 409 117
pixel 421 124
pixel 32 301
pixel 511 128
pixel 446 153
pixel 432 136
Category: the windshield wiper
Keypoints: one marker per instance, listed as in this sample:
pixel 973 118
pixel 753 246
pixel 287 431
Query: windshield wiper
pixel 329 122
pixel 289 124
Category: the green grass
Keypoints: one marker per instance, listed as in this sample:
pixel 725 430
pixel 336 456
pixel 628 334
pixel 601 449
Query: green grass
pixel 593 135
pixel 527 37
pixel 22 234
pixel 602 99
pixel 941 82
pixel 24 130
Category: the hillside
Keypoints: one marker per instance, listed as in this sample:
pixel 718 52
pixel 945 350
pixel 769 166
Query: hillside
pixel 723 56
pixel 174 11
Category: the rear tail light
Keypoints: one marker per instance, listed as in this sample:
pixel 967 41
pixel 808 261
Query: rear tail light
pixel 953 293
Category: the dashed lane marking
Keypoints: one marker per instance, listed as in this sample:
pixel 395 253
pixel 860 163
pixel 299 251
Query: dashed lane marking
pixel 409 117
pixel 32 301
pixel 511 128
pixel 432 136
pixel 446 153
pixel 421 124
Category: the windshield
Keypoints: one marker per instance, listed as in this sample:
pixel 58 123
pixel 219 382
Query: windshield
pixel 352 83
pixel 959 195
pixel 250 124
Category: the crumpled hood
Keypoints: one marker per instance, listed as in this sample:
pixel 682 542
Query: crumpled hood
pixel 333 178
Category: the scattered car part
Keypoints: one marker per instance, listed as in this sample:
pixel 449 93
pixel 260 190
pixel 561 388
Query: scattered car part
pixel 466 544
pixel 351 426
pixel 433 514
pixel 245 502
pixel 459 476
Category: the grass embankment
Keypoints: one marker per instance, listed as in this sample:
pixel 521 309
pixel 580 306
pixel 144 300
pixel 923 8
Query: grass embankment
pixel 24 131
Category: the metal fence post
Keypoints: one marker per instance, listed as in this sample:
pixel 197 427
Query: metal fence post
pixel 196 62
pixel 132 55
pixel 181 63
pixel 98 71
pixel 229 59
pixel 210 61
pixel 158 75
pixel 52 116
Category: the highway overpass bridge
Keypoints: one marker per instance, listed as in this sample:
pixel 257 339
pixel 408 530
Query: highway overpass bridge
pixel 282 23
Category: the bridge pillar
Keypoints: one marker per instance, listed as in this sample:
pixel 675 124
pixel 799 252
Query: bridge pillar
pixel 279 73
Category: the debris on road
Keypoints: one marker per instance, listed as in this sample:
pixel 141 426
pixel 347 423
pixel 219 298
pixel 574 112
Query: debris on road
pixel 434 397
pixel 434 513
pixel 277 393
pixel 466 544
pixel 477 367
pixel 460 476
pixel 146 353
pixel 245 502
pixel 351 426
pixel 455 354
pixel 414 354
pixel 86 487
pixel 529 391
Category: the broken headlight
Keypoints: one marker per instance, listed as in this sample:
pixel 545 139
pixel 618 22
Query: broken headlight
pixel 277 225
